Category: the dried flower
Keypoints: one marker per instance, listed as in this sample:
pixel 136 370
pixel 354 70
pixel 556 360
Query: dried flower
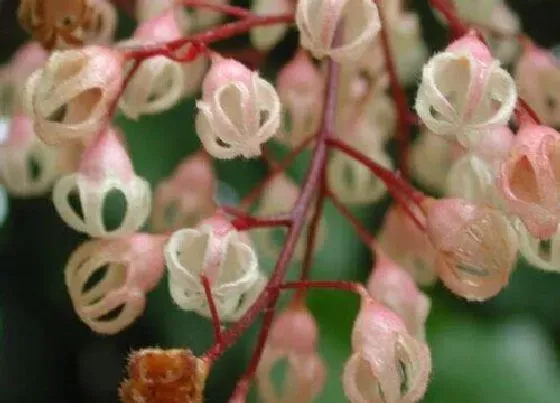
pixel 216 250
pixel 56 23
pixel 476 247
pixel 464 93
pixel 529 178
pixel 317 21
pixel 170 376
pixel 103 24
pixel 130 268
pixel 105 166
pixel 543 254
pixel 239 111
pixel 186 197
pixel 387 364
pixel 28 167
pixel 70 97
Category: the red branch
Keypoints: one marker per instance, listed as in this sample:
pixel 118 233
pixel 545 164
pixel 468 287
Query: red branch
pixel 213 310
pixel 239 12
pixel 244 221
pixel 399 95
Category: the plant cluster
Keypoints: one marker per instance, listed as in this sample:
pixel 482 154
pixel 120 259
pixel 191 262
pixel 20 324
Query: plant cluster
pixel 487 143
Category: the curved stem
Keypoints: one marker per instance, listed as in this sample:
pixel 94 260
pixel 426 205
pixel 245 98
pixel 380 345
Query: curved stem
pixel 234 11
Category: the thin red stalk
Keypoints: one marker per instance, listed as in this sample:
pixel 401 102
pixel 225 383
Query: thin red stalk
pixel 365 236
pixel 170 49
pixel 213 310
pixel 135 66
pixel 341 285
pixel 391 180
pixel 399 95
pixel 312 234
pixel 281 167
pixel 244 221
pixel 220 8
pixel 269 296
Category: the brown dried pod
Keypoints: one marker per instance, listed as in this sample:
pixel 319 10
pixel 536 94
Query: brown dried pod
pixel 56 23
pixel 164 376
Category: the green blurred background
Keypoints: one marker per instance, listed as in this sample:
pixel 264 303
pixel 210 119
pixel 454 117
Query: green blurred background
pixel 505 350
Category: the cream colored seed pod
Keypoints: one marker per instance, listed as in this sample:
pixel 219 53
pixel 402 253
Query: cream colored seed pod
pixel 317 21
pixel 70 97
pixel 213 249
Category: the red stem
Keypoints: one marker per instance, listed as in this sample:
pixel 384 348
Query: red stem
pixel 172 49
pixel 220 8
pixel 341 285
pixel 213 310
pixel 312 232
pixel 393 181
pixel 244 221
pixel 365 236
pixel 279 168
pixel 269 296
pixel 399 95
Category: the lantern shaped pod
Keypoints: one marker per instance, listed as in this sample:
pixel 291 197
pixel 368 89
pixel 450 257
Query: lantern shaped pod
pixel 185 198
pixel 300 88
pixel 476 246
pixel 71 96
pixel 351 180
pixel 279 197
pixel 103 24
pixel 293 339
pixel 213 249
pixel 160 83
pixel 28 167
pixel 104 167
pixel 387 363
pixel 239 111
pixel 529 178
pixel 464 94
pixel 130 267
pixel 317 21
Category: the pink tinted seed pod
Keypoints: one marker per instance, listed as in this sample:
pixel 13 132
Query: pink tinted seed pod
pixel 317 21
pixel 464 93
pixel 186 197
pixel 529 178
pixel 216 250
pixel 130 268
pixel 300 88
pixel 293 339
pixel 476 246
pixel 537 75
pixel 104 167
pixel 387 364
pixel 407 245
pixel 394 287
pixel 70 97
pixel 160 83
pixel 28 167
pixel 239 111
pixel 265 38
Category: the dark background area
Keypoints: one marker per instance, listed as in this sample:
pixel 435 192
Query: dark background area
pixel 506 350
